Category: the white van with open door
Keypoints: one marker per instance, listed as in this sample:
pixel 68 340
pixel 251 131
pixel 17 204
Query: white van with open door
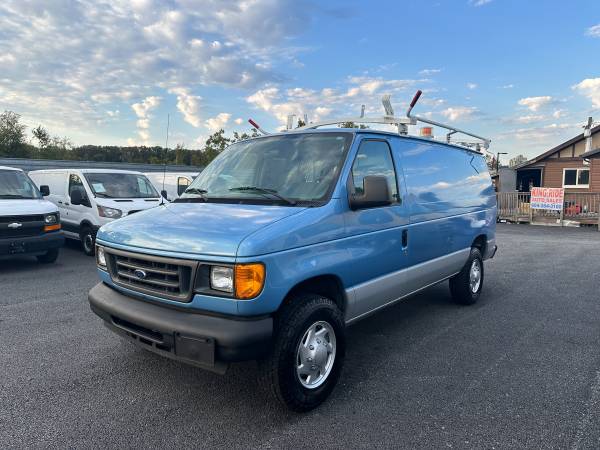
pixel 89 198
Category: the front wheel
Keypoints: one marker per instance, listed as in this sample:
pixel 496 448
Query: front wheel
pixel 466 286
pixel 88 240
pixel 308 352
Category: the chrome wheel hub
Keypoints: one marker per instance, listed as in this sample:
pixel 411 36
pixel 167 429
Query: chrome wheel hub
pixel 315 355
pixel 475 276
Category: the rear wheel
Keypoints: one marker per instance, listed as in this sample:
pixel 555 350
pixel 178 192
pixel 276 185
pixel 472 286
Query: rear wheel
pixel 88 240
pixel 308 353
pixel 466 286
pixel 49 257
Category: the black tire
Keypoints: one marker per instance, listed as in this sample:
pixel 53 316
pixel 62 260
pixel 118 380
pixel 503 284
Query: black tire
pixel 278 371
pixel 88 240
pixel 461 288
pixel 49 257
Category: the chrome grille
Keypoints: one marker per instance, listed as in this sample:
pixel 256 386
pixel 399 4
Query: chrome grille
pixel 154 275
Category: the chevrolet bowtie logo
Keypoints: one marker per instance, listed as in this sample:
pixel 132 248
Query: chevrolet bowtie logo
pixel 15 225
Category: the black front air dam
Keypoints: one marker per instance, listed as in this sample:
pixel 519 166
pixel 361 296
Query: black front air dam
pixel 199 339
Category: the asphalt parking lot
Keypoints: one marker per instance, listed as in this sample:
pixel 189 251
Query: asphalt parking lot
pixel 519 369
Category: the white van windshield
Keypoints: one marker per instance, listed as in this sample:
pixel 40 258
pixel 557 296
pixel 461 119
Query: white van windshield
pixel 287 169
pixel 120 185
pixel 15 184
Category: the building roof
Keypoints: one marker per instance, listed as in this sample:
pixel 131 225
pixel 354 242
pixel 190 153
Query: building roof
pixel 592 154
pixel 558 148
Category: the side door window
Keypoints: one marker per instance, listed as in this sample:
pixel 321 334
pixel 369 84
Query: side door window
pixel 75 183
pixel 374 158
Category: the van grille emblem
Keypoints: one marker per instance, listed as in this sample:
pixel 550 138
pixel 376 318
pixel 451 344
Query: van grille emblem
pixel 140 274
pixel 15 225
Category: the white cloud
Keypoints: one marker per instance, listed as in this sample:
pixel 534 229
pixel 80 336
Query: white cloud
pixel 479 2
pixel 507 86
pixel 327 102
pixel 543 133
pixel 472 86
pixel 142 111
pixel 218 122
pixel 239 121
pixel 187 104
pixel 458 113
pixel 593 31
pixel 536 103
pixel 529 118
pixel 558 113
pixel 429 72
pixel 66 62
pixel 590 87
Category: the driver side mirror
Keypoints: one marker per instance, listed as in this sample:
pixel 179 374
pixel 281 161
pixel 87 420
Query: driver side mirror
pixel 376 193
pixel 76 197
pixel 44 190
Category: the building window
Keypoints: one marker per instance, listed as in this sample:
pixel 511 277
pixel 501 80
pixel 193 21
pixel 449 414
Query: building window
pixel 576 178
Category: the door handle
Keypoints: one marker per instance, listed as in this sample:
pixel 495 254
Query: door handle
pixel 404 239
pixel 66 204
pixel 59 202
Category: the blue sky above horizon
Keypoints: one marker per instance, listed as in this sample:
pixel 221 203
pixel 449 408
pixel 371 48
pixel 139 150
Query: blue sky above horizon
pixel 527 74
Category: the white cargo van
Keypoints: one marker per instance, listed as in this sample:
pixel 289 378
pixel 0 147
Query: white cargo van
pixel 175 183
pixel 89 198
pixel 29 224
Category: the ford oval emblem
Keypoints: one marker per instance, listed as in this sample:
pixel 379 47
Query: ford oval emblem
pixel 140 274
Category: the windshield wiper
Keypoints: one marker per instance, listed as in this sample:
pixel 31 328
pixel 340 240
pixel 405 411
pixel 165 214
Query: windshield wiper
pixel 201 192
pixel 102 194
pixel 195 191
pixel 261 190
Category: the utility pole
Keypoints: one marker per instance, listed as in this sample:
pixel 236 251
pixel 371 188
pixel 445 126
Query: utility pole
pixel 498 159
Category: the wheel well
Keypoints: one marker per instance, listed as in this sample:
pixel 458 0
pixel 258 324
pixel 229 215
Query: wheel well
pixel 85 224
pixel 480 242
pixel 328 286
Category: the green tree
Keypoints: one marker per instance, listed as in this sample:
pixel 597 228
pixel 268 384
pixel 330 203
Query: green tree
pixel 12 135
pixel 42 136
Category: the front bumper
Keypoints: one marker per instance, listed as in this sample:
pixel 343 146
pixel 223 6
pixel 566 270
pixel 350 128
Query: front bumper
pixel 31 245
pixel 207 341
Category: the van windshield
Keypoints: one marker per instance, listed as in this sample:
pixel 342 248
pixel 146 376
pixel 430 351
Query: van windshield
pixel 15 184
pixel 289 170
pixel 120 185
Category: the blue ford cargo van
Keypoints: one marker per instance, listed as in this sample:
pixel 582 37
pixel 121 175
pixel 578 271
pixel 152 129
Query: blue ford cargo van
pixel 284 240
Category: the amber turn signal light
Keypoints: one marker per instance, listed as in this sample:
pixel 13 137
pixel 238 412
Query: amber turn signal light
pixel 54 227
pixel 249 280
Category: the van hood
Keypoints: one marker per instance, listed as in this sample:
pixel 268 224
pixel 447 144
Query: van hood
pixel 196 228
pixel 128 204
pixel 24 207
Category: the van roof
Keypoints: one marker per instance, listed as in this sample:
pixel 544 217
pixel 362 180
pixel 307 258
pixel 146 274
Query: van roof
pixel 87 171
pixel 371 131
pixel 16 169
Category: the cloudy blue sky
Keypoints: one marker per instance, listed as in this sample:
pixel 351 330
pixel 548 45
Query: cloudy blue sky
pixel 526 73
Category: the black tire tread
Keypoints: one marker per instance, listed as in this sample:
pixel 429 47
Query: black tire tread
pixel 459 283
pixel 49 257
pixel 292 316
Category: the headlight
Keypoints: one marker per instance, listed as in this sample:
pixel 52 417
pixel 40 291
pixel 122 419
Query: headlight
pixel 221 278
pixel 51 219
pixel 100 257
pixel 52 222
pixel 110 213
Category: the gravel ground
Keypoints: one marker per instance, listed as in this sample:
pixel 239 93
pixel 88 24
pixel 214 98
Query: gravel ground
pixel 519 369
